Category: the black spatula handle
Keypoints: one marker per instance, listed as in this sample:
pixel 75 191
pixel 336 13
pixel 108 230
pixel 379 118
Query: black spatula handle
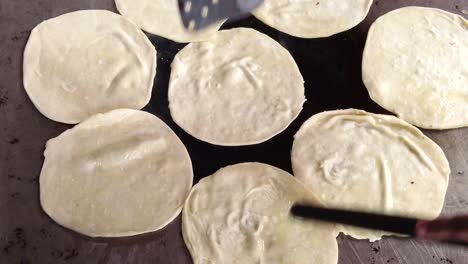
pixel 453 230
pixel 393 224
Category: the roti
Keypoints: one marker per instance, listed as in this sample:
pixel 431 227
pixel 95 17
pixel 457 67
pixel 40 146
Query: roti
pixel 372 163
pixel 313 18
pixel 162 18
pixel 121 173
pixel 415 65
pixel 88 62
pixel 239 88
pixel 241 215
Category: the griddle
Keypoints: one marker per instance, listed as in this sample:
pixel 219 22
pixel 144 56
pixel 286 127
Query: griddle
pixel 332 70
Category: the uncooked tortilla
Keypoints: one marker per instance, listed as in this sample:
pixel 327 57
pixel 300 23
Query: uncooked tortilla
pixel 162 18
pixel 121 173
pixel 88 62
pixel 355 160
pixel 313 18
pixel 241 215
pixel 415 65
pixel 239 88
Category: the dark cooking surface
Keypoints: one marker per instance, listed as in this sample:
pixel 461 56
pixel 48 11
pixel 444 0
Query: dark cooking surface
pixel 331 68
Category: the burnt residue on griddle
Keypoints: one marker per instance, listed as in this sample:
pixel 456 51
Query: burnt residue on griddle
pixel 460 172
pixel 44 233
pixel 56 254
pixel 14 177
pixel 446 260
pixel 20 237
pixel 16 241
pixel 70 254
pixel 20 36
pixel 3 100
pixel 376 249
pixel 7 248
pixel 33 180
pixel 13 141
pixel 390 260
pixel 15 195
pixel 67 254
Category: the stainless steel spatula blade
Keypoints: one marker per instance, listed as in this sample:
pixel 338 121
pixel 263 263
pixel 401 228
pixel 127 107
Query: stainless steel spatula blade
pixel 198 14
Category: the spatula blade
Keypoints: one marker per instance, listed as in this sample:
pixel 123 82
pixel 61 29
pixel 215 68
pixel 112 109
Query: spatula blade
pixel 199 14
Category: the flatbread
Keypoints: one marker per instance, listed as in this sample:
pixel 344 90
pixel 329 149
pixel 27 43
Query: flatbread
pixel 415 65
pixel 356 160
pixel 121 173
pixel 313 18
pixel 241 215
pixel 239 88
pixel 162 18
pixel 88 62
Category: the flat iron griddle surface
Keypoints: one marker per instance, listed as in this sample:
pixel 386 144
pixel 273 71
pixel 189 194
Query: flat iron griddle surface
pixel 332 70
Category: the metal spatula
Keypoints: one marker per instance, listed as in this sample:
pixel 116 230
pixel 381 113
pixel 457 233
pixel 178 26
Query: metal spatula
pixel 198 14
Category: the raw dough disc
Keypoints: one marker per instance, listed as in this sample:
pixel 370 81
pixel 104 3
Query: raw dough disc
pixel 352 159
pixel 415 65
pixel 88 62
pixel 121 173
pixel 313 18
pixel 239 88
pixel 162 18
pixel 241 215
